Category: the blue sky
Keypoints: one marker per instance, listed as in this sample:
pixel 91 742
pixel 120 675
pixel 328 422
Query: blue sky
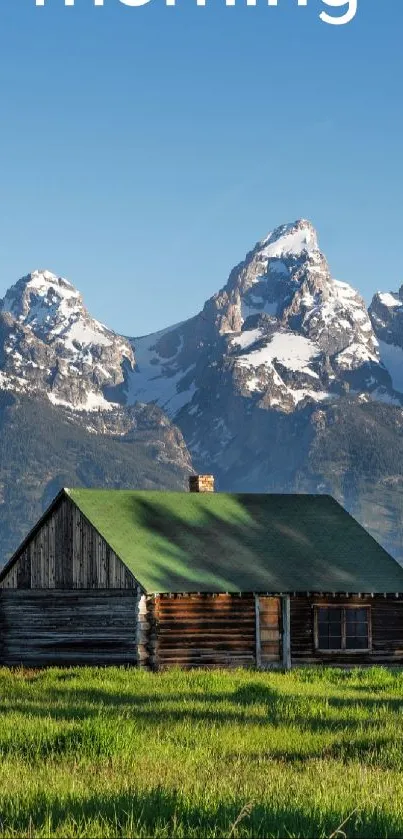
pixel 145 150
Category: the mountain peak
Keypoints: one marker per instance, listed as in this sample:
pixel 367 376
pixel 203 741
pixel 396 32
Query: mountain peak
pixel 36 298
pixel 53 344
pixel 43 279
pixel 290 239
pixel 43 275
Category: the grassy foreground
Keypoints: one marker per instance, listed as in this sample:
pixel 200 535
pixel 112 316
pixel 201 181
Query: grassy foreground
pixel 116 752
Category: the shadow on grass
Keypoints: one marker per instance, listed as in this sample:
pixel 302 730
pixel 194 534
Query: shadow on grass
pixel 370 751
pixel 162 813
pixel 275 708
pixel 91 734
pixel 94 719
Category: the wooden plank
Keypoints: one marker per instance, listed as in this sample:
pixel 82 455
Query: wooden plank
pixel 22 570
pixel 68 524
pixel 269 635
pixel 257 632
pixel 286 632
pixel 51 559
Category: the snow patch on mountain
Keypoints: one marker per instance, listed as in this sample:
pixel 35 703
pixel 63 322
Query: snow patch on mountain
pixel 392 358
pixel 300 395
pixel 92 402
pixel 389 299
pixel 247 338
pixel 159 379
pixel 293 351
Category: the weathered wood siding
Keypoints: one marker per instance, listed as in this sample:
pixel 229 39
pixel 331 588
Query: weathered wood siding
pixel 387 631
pixel 202 630
pixel 67 553
pixel 39 628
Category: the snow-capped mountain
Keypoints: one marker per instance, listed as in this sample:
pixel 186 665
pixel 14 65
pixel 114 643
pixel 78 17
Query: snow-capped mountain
pixel 281 335
pixel 50 344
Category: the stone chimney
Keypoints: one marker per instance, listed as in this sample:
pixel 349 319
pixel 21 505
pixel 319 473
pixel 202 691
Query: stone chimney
pixel 201 483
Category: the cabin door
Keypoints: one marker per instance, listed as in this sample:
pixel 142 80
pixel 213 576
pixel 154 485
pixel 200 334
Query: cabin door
pixel 268 631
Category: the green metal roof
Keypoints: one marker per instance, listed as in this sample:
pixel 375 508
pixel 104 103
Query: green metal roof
pixel 216 542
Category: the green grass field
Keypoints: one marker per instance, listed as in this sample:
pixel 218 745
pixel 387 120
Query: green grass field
pixel 117 752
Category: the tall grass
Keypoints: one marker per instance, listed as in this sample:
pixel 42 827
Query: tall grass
pixel 118 752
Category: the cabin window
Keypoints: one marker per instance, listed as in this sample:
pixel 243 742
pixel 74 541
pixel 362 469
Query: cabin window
pixel 342 628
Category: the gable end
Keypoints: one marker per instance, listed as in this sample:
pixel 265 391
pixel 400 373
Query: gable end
pixel 65 551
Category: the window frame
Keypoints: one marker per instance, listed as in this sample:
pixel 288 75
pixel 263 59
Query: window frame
pixel 343 650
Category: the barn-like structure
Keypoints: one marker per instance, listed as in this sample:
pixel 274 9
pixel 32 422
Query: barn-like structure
pixel 206 579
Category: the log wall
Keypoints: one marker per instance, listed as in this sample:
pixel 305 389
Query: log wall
pixel 63 627
pixel 387 631
pixel 202 630
pixel 60 627
pixel 66 552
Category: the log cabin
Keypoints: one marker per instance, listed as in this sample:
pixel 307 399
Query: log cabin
pixel 199 579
